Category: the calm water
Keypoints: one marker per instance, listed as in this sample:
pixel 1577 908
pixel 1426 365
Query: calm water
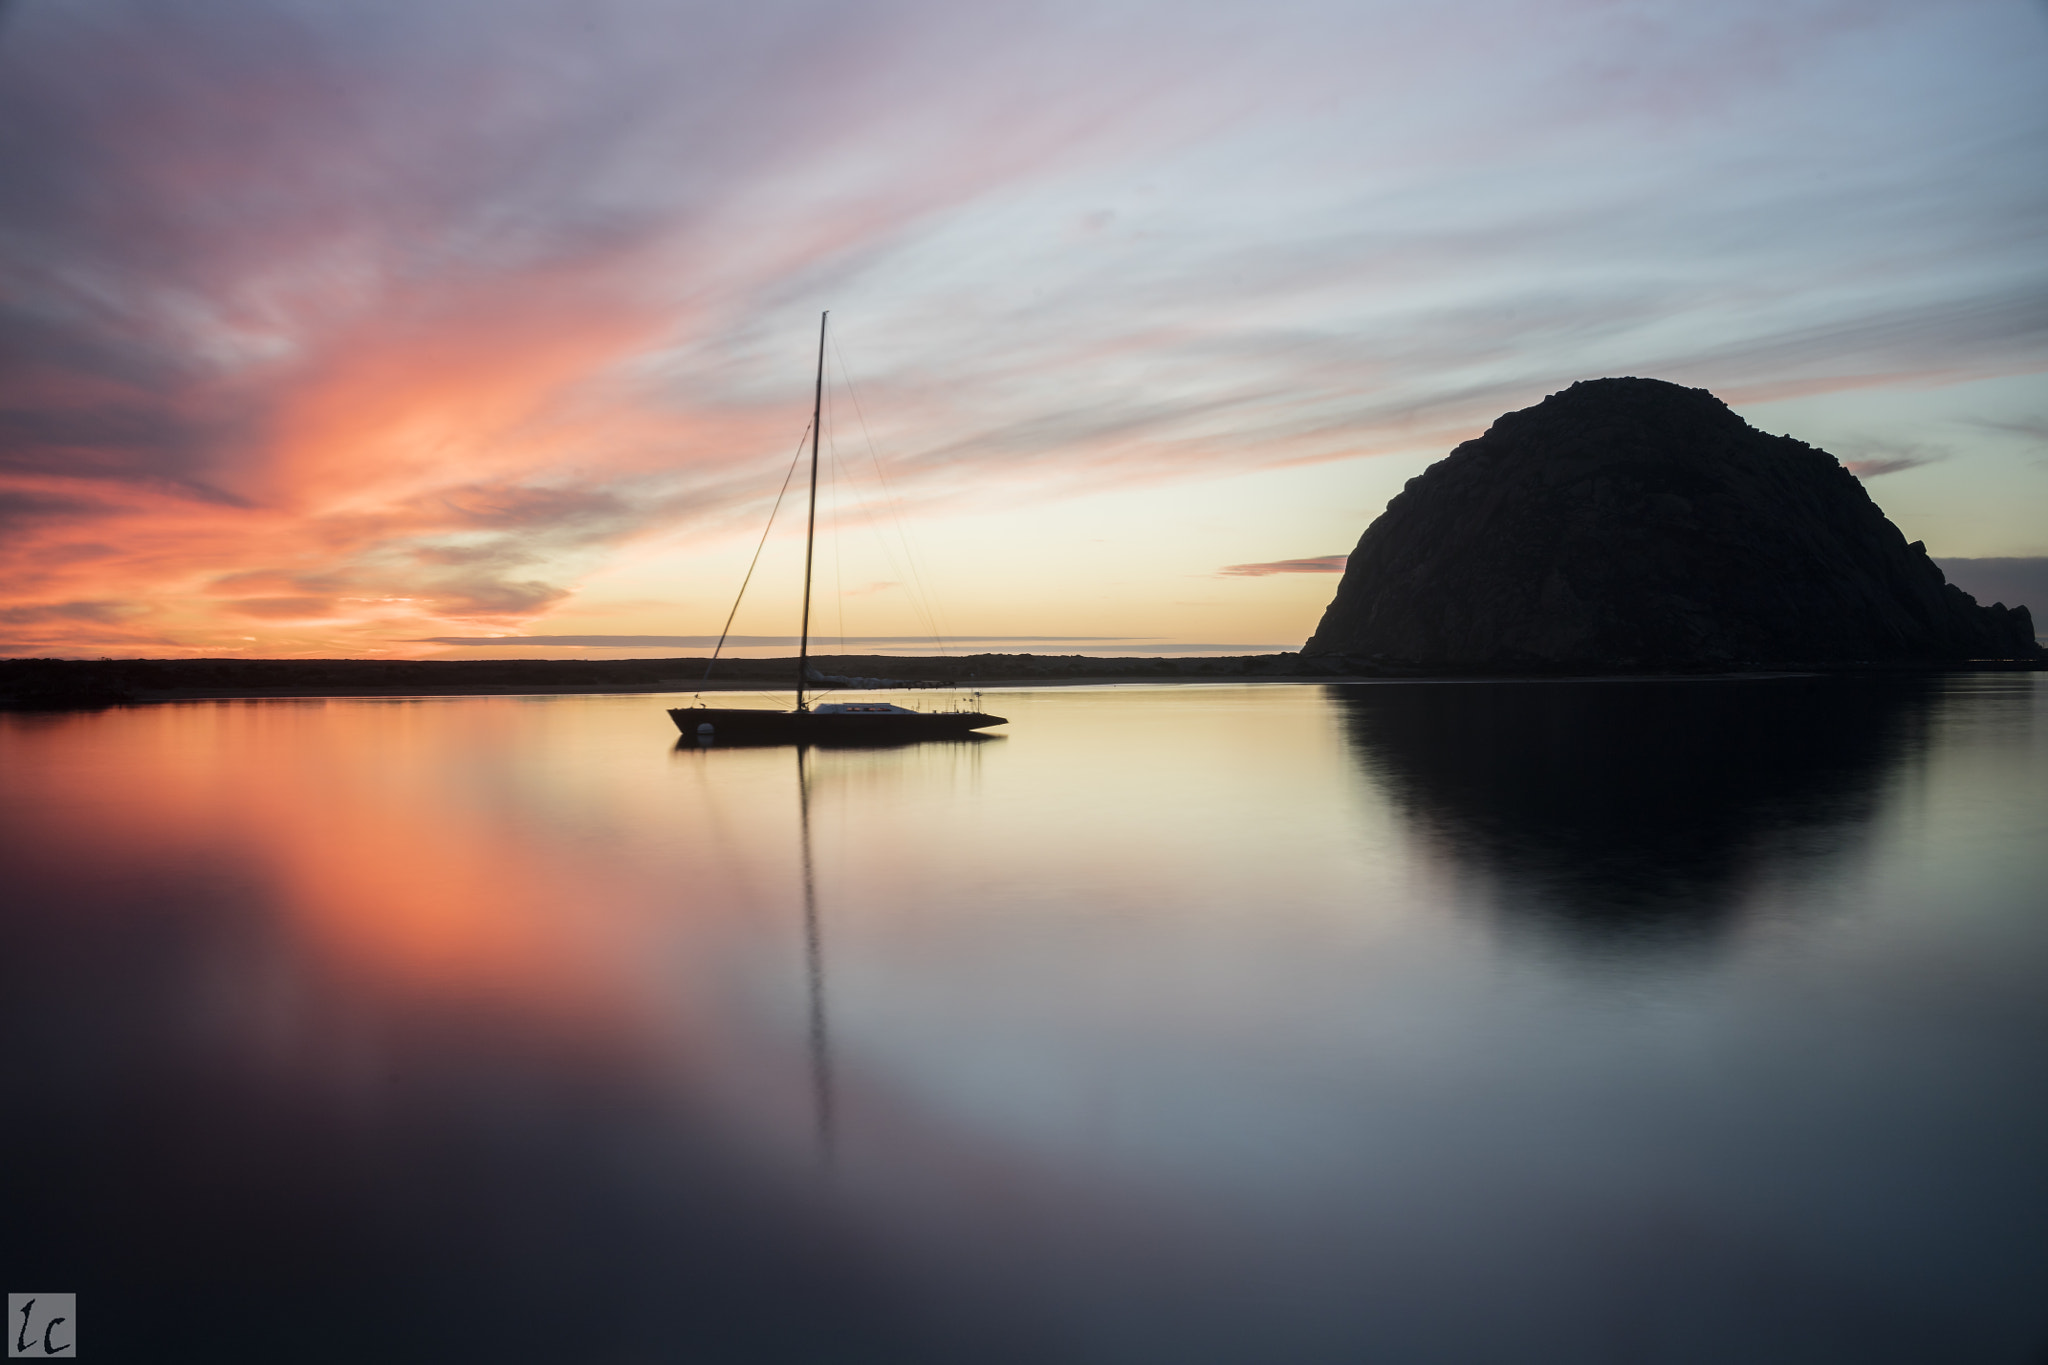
pixel 1465 1023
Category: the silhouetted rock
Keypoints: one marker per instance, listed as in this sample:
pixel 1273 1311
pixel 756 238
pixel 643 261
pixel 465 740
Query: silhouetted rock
pixel 1631 522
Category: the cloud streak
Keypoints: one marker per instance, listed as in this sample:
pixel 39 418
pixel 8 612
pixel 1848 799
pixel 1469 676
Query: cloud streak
pixel 1318 564
pixel 1878 458
pixel 1871 469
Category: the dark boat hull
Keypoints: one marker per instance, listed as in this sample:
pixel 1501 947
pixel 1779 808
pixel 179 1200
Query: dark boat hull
pixel 739 725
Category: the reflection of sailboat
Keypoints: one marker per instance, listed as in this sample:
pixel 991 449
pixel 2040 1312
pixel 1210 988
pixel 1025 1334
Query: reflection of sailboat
pixel 831 722
pixel 814 969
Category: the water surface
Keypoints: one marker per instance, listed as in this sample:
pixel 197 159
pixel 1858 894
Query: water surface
pixel 1519 1022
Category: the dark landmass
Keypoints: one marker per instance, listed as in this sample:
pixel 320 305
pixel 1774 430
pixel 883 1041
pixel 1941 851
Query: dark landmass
pixel 1629 524
pixel 86 684
pixel 74 684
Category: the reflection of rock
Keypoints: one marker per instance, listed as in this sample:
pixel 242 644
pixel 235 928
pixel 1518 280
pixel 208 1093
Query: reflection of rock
pixel 1621 805
pixel 1629 522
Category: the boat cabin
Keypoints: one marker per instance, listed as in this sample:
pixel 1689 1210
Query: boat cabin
pixel 855 708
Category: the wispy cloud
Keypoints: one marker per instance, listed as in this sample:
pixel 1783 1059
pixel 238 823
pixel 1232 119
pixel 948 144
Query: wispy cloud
pixel 2034 428
pixel 1870 469
pixel 97 613
pixel 1319 564
pixel 1870 457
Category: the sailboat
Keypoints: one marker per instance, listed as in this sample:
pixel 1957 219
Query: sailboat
pixel 854 722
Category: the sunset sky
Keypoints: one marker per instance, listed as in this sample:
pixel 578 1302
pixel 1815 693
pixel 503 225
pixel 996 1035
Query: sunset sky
pixel 459 329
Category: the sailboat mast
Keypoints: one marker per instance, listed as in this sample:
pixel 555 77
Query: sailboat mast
pixel 803 657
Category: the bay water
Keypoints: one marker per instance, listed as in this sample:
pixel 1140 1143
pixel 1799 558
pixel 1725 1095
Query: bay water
pixel 1631 1021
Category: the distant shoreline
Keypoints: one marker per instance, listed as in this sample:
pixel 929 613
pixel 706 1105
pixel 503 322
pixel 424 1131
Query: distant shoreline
pixel 44 683
pixel 76 684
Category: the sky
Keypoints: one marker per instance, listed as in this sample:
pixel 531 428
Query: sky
pixel 461 329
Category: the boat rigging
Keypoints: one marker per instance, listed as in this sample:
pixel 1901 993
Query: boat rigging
pixel 828 722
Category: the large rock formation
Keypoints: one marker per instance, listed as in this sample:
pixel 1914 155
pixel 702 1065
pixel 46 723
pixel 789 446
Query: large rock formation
pixel 1631 522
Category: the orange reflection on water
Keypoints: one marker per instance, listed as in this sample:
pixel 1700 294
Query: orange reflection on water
pixel 379 833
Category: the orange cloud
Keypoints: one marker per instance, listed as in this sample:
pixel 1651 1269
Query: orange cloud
pixel 409 481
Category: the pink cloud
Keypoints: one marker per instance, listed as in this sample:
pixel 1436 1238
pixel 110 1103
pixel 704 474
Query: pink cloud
pixel 1319 564
pixel 1870 469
